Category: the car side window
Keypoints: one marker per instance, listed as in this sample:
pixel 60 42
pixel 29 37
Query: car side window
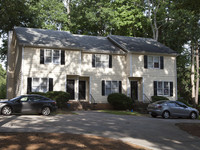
pixel 173 104
pixel 24 99
pixel 34 98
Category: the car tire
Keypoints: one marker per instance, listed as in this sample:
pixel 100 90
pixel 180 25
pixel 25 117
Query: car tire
pixel 46 111
pixel 166 115
pixel 153 115
pixel 193 115
pixel 6 110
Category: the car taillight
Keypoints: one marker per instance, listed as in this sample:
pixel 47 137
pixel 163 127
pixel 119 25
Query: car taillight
pixel 54 103
pixel 159 106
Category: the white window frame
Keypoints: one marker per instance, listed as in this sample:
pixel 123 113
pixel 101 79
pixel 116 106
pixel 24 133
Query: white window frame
pixel 153 62
pixel 40 86
pixel 101 61
pixel 52 56
pixel 163 88
pixel 111 88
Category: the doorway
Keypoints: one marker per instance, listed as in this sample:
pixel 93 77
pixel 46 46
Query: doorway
pixel 82 90
pixel 70 88
pixel 134 90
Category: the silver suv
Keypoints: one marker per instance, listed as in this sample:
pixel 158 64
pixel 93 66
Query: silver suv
pixel 168 109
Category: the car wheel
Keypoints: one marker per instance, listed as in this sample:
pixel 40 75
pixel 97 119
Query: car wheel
pixel 166 114
pixel 6 111
pixel 46 111
pixel 193 115
pixel 153 115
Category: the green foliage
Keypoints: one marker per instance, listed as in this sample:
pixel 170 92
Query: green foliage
pixel 60 97
pixel 158 98
pixel 2 83
pixel 120 101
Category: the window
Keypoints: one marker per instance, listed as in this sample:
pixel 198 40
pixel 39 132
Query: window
pixel 111 87
pixel 40 85
pixel 163 88
pixel 154 62
pixel 52 56
pixel 102 60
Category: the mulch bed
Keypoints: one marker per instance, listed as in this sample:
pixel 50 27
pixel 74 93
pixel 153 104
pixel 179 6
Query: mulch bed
pixel 191 128
pixel 61 141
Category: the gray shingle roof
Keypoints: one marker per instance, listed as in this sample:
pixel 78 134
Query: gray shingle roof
pixel 63 39
pixel 136 44
pixel 110 44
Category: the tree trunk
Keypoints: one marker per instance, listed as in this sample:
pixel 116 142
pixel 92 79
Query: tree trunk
pixel 197 75
pixel 192 72
pixel 66 4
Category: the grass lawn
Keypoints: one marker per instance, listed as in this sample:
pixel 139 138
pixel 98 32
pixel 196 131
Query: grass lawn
pixel 120 112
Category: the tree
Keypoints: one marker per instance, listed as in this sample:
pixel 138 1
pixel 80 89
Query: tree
pixel 2 83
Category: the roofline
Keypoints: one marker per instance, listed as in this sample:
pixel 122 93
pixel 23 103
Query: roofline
pixel 119 45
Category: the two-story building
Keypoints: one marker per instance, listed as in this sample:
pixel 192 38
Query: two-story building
pixel 89 67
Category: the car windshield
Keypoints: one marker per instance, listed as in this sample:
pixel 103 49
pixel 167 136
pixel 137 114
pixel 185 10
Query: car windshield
pixel 15 98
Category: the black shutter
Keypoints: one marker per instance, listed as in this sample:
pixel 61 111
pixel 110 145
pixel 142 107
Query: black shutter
pixel 155 88
pixel 103 87
pixel 50 84
pixel 145 61
pixel 93 60
pixel 110 61
pixel 29 85
pixel 62 57
pixel 41 56
pixel 120 86
pixel 161 62
pixel 171 88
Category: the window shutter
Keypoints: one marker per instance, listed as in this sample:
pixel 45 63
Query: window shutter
pixel 50 84
pixel 145 61
pixel 103 87
pixel 62 57
pixel 120 86
pixel 110 61
pixel 41 56
pixel 161 62
pixel 155 88
pixel 171 88
pixel 93 60
pixel 29 85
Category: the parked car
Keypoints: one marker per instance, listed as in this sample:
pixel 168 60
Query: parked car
pixel 167 109
pixel 28 104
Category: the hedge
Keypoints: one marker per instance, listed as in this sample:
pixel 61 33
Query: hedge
pixel 120 101
pixel 158 98
pixel 60 97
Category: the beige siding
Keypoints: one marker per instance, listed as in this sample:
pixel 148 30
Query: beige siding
pixel 149 75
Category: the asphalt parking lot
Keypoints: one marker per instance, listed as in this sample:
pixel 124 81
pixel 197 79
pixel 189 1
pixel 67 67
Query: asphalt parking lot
pixel 153 133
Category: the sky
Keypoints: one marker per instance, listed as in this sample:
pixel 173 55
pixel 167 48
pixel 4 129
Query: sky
pixel 3 65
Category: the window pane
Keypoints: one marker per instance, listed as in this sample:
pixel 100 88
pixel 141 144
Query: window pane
pixel 48 56
pixel 56 53
pixel 166 85
pixel 104 57
pixel 48 53
pixel 35 88
pixel 160 92
pixel 156 65
pixel 166 91
pixel 108 91
pixel 104 64
pixel 150 65
pixel 160 85
pixel 56 60
pixel 114 84
pixel 156 59
pixel 98 64
pixel 44 82
pixel 98 58
pixel 156 62
pixel 36 81
pixel 150 58
pixel 43 89
pixel 108 84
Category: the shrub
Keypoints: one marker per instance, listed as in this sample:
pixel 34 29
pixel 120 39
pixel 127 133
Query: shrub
pixel 120 101
pixel 158 98
pixel 198 107
pixel 60 97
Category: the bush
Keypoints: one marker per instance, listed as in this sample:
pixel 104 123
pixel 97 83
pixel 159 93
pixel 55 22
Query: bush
pixel 120 101
pixel 158 98
pixel 60 97
pixel 198 107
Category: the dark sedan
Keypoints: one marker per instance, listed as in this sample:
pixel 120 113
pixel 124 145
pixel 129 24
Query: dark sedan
pixel 28 104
